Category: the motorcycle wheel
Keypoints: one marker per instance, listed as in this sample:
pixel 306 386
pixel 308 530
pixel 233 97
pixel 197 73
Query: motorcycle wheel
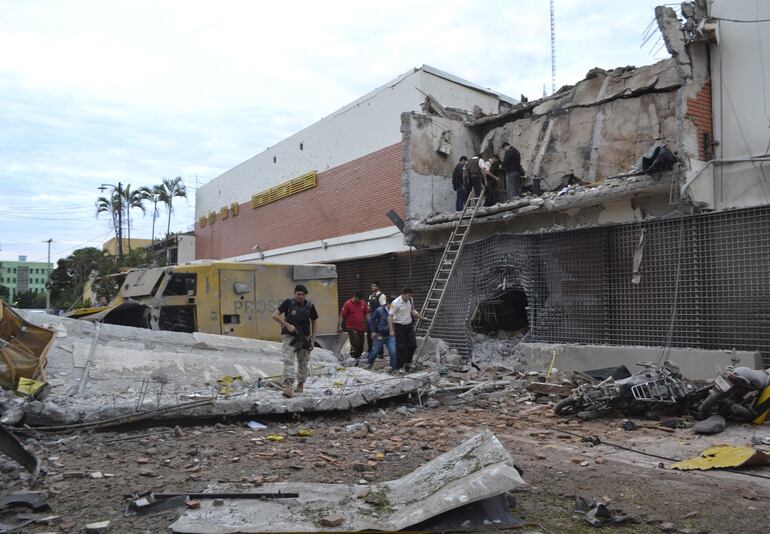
pixel 706 409
pixel 568 406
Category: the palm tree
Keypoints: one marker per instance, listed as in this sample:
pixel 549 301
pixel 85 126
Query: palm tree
pixel 113 206
pixel 132 198
pixel 168 190
pixel 153 195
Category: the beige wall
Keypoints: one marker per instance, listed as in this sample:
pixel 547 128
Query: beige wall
pixel 111 246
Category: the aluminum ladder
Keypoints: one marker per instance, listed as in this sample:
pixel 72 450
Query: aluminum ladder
pixel 446 268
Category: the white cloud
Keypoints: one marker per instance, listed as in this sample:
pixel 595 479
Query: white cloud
pixel 97 91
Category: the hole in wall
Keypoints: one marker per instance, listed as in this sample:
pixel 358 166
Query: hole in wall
pixel 302 146
pixel 275 159
pixel 504 311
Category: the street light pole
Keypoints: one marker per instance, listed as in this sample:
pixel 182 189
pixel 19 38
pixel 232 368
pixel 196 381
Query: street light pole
pixel 48 279
pixel 120 222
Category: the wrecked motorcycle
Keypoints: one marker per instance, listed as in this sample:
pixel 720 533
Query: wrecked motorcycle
pixel 739 393
pixel 654 388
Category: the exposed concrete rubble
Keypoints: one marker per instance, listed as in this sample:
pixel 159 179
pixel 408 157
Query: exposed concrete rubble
pixel 591 131
pixel 125 372
pixel 569 197
pixel 477 469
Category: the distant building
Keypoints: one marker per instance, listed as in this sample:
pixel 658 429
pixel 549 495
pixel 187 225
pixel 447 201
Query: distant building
pixel 181 248
pixel 111 246
pixel 22 276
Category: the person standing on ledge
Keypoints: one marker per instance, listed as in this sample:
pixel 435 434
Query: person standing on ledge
pixel 514 172
pixel 297 317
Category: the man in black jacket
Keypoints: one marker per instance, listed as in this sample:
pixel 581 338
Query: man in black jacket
pixel 459 185
pixel 514 172
pixel 298 318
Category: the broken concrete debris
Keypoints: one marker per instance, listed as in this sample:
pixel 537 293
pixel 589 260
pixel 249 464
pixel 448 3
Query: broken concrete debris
pixel 135 373
pixel 475 470
pixel 597 514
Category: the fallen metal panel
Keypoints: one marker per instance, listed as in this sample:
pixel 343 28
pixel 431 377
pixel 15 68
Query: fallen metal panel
pixel 12 447
pixel 725 456
pixel 142 282
pixel 475 470
pixel 23 348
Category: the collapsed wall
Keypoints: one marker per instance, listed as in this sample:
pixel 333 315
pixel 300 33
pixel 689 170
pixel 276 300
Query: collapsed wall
pixel 594 130
pixel 103 373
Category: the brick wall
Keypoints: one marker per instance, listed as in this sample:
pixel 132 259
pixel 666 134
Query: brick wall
pixel 699 110
pixel 350 198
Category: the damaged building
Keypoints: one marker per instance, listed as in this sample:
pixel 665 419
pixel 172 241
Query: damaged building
pixel 600 257
pixel 610 263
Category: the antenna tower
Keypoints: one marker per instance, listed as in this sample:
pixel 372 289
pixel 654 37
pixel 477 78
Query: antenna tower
pixel 553 50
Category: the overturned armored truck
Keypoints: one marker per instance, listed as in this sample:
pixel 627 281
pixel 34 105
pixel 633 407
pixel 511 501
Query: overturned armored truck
pixel 235 299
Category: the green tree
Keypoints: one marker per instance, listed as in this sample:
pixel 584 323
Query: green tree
pixel 5 292
pixel 152 194
pixel 30 300
pixel 112 205
pixel 170 189
pixel 132 198
pixel 71 273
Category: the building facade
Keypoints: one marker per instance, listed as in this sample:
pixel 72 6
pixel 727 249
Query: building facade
pixel 22 276
pixel 610 255
pixel 323 194
pixel 111 246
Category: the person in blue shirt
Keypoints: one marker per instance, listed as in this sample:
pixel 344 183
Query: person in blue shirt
pixel 381 336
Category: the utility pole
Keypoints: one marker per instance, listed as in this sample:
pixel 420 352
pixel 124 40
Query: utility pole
pixel 48 280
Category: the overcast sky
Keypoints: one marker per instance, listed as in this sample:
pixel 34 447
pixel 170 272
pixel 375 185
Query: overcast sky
pixel 102 91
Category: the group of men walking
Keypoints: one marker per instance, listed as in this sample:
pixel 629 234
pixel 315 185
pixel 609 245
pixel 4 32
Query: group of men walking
pixel 501 177
pixel 382 324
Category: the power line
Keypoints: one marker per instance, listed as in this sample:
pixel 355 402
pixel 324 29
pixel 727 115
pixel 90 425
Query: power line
pixel 99 237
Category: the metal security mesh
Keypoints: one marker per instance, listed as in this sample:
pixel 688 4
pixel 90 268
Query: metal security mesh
pixel 393 271
pixel 580 289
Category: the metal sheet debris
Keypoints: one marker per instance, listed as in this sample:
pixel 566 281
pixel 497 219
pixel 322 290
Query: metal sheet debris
pixel 725 456
pixel 477 469
pixel 23 348
pixel 13 448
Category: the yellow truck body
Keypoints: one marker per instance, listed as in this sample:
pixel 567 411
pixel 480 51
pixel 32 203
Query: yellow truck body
pixel 233 299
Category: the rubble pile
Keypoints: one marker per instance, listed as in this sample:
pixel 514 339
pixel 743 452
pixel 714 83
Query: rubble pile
pixel 568 196
pixel 498 350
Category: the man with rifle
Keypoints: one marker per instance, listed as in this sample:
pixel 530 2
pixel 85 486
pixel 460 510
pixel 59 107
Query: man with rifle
pixel 297 318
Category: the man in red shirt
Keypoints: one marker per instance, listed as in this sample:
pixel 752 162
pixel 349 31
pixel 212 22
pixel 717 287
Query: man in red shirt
pixel 354 314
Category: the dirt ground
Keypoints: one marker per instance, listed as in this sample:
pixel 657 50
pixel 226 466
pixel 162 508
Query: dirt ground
pixel 89 475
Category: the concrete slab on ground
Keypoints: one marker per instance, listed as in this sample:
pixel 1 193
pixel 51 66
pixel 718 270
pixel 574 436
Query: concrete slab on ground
pixel 476 469
pixel 118 371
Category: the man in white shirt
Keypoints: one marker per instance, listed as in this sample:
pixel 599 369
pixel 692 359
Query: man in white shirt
pixel 401 319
